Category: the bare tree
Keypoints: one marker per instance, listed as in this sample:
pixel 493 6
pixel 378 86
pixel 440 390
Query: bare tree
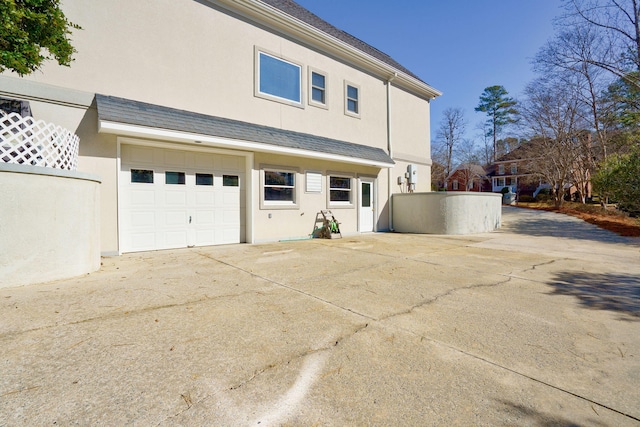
pixel 570 56
pixel 616 24
pixel 554 117
pixel 450 134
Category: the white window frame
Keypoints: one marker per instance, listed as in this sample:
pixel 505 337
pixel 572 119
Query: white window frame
pixel 279 204
pixel 352 194
pixel 514 168
pixel 271 97
pixel 358 100
pixel 454 184
pixel 312 101
pixel 501 169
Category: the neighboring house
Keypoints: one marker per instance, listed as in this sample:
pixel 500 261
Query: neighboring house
pixel 514 171
pixel 228 121
pixel 468 177
pixel 511 170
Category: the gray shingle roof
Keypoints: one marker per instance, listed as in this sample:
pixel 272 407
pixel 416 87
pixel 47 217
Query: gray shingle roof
pixel 120 110
pixel 292 8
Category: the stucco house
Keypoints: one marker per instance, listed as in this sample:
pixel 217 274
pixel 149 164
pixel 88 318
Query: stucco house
pixel 228 121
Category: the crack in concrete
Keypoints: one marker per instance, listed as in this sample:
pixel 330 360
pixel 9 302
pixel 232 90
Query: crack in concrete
pixel 443 295
pixel 258 372
pixel 120 314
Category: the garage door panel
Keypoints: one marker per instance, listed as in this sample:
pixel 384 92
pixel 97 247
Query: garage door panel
pixel 175 239
pixel 144 155
pixel 175 198
pixel 173 219
pixel 155 215
pixel 175 158
pixel 205 198
pixel 143 241
pixel 141 219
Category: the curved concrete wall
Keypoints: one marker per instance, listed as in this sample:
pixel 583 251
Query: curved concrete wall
pixel 446 213
pixel 49 224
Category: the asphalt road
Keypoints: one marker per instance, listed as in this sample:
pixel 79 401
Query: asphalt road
pixel 535 324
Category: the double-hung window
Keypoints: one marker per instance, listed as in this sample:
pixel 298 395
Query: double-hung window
pixel 278 187
pixel 352 99
pixel 317 88
pixel 500 169
pixel 514 168
pixel 340 190
pixel 278 79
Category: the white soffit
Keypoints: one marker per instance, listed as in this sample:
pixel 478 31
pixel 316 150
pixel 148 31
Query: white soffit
pixel 123 129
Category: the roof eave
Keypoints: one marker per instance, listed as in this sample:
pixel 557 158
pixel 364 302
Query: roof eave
pixel 285 23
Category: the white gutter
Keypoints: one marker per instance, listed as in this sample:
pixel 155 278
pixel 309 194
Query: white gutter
pixel 276 19
pixel 123 129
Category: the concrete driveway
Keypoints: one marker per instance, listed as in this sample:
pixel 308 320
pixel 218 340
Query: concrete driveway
pixel 535 324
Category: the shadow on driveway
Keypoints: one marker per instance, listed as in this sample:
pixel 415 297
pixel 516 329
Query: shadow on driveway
pixel 618 292
pixel 551 224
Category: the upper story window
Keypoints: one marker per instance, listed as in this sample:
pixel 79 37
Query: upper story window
pixel 514 168
pixel 317 88
pixel 278 79
pixel 500 169
pixel 454 184
pixel 352 99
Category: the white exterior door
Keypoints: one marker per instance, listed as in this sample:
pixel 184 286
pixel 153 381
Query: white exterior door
pixel 367 205
pixel 174 199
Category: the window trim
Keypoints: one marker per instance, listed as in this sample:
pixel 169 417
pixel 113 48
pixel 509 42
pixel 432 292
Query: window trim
pixel 514 168
pixel 311 101
pixel 268 96
pixel 455 185
pixel 348 112
pixel 352 194
pixel 501 169
pixel 272 204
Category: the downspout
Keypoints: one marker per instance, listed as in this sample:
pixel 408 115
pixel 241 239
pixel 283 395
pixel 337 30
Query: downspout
pixel 390 149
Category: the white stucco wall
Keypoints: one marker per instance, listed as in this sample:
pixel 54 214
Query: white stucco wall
pixel 144 54
pixel 446 213
pixel 49 224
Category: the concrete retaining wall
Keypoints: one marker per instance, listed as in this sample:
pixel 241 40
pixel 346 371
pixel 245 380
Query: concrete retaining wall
pixel 446 213
pixel 49 224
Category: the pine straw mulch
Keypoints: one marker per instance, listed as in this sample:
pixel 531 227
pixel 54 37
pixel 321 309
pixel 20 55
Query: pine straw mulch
pixel 610 219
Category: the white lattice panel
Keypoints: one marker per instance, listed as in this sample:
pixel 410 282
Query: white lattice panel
pixel 24 140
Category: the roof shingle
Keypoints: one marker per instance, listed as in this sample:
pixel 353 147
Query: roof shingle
pixel 126 111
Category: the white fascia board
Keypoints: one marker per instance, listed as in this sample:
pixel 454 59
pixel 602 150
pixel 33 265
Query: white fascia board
pixel 277 19
pixel 123 129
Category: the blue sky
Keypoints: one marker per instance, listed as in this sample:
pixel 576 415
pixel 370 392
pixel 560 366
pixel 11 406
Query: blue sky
pixel 457 46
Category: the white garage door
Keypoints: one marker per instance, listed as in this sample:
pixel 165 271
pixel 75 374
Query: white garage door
pixel 175 199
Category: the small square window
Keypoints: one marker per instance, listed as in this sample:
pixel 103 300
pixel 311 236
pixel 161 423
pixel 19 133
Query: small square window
pixel 204 179
pixel 174 178
pixel 230 181
pixel 142 176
